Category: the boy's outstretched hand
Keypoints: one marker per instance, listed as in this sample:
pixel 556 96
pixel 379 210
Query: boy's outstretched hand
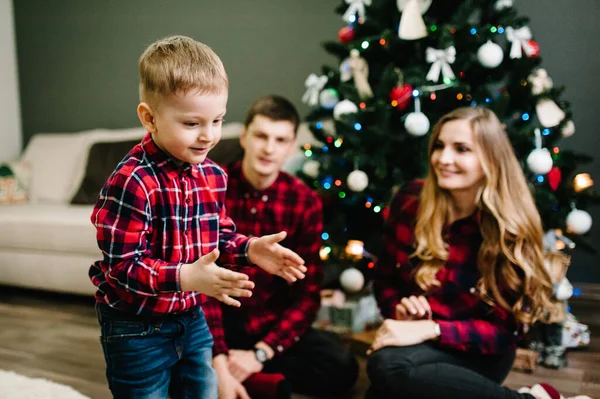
pixel 206 277
pixel 266 253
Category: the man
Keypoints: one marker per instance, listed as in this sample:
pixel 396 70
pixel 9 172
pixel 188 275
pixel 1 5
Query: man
pixel 271 333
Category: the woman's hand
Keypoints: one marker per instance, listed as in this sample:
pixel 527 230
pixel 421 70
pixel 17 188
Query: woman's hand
pixel 413 308
pixel 403 333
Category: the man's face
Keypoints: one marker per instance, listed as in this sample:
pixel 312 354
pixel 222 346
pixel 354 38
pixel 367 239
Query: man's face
pixel 267 144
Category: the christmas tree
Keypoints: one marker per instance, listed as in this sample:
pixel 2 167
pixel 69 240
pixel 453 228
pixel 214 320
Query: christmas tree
pixel 404 64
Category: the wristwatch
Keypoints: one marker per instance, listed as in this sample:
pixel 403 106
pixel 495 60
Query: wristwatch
pixel 437 331
pixel 261 355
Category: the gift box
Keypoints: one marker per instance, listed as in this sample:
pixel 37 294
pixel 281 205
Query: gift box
pixel 574 333
pixel 525 360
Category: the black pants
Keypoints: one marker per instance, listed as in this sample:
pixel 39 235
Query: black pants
pixel 317 365
pixel 425 371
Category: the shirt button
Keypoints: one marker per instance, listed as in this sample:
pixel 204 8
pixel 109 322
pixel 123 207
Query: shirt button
pixel 398 265
pixel 296 339
pixel 279 348
pixel 265 198
pixel 246 195
pixel 187 200
pixel 253 211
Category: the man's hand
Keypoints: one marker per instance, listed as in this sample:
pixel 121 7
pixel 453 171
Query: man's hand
pixel 403 333
pixel 243 363
pixel 413 308
pixel 206 277
pixel 229 387
pixel 266 253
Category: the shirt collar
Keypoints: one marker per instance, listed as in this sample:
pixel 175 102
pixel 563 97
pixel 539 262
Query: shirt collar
pixel 244 186
pixel 170 166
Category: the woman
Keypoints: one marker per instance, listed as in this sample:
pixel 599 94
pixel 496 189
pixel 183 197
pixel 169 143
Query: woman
pixel 462 269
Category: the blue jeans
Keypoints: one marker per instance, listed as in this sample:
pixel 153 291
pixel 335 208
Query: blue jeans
pixel 155 358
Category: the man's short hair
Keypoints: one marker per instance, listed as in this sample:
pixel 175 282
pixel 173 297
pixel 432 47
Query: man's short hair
pixel 273 107
pixel 178 64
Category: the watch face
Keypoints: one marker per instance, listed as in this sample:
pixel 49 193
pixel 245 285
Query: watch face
pixel 261 355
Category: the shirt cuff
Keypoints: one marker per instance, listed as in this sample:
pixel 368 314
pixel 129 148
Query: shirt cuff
pixel 168 279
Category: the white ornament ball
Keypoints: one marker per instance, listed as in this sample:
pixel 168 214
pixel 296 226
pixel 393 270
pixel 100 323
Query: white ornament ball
pixel 344 107
pixel 578 221
pixel 490 55
pixel 416 123
pixel 352 280
pixel 357 181
pixel 328 98
pixel 502 4
pixel 311 168
pixel 568 129
pixel 539 161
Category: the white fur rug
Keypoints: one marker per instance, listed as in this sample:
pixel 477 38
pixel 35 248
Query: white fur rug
pixel 16 386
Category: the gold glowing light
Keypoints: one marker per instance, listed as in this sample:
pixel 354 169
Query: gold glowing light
pixel 582 181
pixel 355 249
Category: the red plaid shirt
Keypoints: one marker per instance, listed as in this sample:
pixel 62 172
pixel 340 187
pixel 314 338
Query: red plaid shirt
pixel 466 322
pixel 277 313
pixel 154 215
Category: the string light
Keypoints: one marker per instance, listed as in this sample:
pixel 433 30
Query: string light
pixel 433 28
pixel 338 143
pixel 582 181
pixel 473 31
pixel 362 105
pixel 540 178
pixel 377 209
pixel 307 147
pixel 355 249
pixel 329 139
pixel 319 125
pixel 556 150
pixel 357 126
pixel 394 103
pixel 382 41
pixel 342 194
pixel 493 29
pixel 546 132
pixel 308 153
pixel 432 96
pixel 525 116
pixel 459 96
pixel 367 205
pixel 371 265
pixel 325 149
pixel 365 45
pixel 325 236
pixel 338 182
pixel 500 30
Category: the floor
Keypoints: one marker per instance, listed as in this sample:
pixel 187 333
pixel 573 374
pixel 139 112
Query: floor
pixel 56 337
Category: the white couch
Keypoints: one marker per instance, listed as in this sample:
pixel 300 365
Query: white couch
pixel 48 243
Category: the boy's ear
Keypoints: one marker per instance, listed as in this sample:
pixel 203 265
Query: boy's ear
pixel 146 115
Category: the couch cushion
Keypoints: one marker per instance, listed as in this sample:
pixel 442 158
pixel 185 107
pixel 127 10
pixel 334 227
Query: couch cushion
pixel 48 227
pixel 54 158
pixel 102 161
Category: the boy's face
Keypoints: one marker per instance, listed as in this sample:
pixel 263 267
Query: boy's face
pixel 267 145
pixel 187 126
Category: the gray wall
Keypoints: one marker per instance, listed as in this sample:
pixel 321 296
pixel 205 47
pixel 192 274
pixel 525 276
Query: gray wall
pixel 78 60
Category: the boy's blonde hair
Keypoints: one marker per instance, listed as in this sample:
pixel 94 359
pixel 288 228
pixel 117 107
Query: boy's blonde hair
pixel 178 64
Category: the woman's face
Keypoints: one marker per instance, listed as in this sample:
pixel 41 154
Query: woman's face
pixel 455 160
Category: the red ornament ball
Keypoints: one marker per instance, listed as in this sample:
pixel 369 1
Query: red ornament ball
pixel 402 95
pixel 534 49
pixel 346 34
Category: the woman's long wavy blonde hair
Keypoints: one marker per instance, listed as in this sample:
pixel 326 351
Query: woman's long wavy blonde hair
pixel 510 259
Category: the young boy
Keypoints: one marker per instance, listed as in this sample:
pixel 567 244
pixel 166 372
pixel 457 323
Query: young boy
pixel 161 224
pixel 271 332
